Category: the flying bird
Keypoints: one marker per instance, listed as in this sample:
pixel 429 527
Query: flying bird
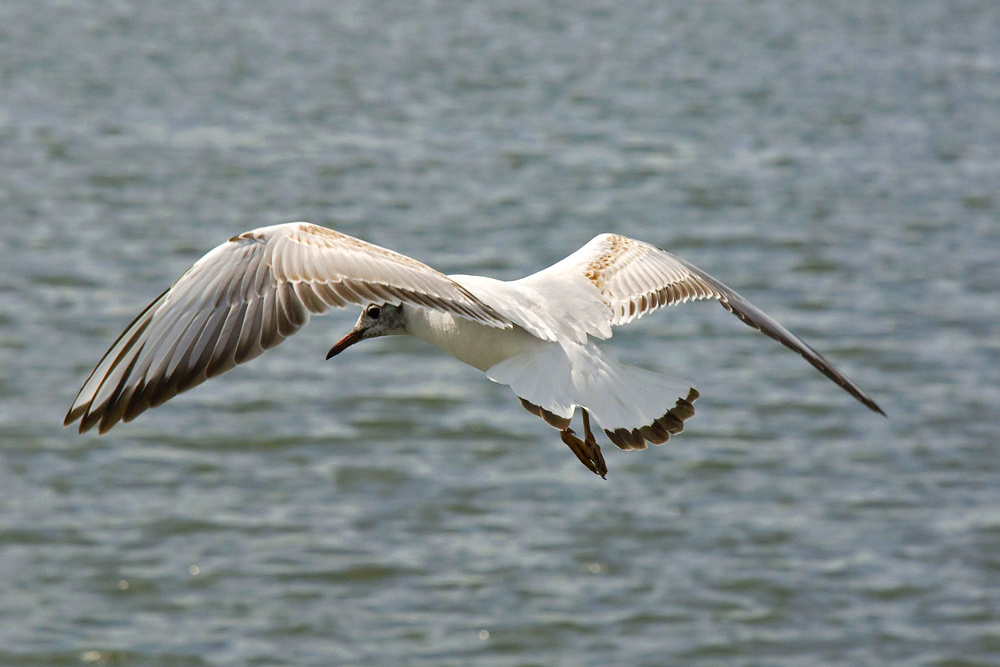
pixel 535 334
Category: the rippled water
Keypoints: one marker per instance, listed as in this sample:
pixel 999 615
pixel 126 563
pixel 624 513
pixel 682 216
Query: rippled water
pixel 835 162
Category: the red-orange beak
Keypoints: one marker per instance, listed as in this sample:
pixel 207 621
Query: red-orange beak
pixel 350 339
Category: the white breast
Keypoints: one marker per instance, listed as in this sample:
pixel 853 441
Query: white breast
pixel 478 345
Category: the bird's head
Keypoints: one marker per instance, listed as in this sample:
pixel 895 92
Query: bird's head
pixel 377 319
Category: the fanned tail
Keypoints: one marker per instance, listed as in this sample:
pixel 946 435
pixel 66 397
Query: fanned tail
pixel 658 432
pixel 632 406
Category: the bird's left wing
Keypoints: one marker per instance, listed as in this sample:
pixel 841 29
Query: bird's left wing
pixel 632 278
pixel 244 297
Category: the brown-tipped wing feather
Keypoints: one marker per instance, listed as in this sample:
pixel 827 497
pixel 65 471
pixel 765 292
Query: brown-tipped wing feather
pixel 245 297
pixel 553 420
pixel 658 432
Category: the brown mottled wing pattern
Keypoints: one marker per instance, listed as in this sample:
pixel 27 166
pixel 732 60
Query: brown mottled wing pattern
pixel 635 278
pixel 245 297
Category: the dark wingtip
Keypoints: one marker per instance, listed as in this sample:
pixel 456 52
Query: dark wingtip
pixel 862 398
pixel 74 413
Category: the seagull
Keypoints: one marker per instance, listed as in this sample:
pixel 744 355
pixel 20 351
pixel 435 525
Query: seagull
pixel 535 335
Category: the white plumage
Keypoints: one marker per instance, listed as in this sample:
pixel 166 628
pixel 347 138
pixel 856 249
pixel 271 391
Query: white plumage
pixel 534 334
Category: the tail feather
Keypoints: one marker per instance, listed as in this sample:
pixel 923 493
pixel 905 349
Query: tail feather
pixel 631 405
pixel 671 423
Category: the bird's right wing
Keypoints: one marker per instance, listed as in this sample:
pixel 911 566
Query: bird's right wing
pixel 244 297
pixel 631 278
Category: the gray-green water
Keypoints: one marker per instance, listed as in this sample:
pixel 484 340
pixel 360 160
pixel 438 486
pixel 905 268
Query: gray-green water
pixel 837 162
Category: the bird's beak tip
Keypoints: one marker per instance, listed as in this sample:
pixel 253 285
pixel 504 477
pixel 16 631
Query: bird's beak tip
pixel 344 343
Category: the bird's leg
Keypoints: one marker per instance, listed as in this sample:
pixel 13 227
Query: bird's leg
pixel 591 442
pixel 587 450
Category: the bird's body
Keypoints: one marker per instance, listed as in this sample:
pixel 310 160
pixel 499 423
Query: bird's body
pixel 535 334
pixel 478 345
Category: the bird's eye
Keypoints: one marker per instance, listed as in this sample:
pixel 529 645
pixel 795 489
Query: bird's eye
pixel 374 311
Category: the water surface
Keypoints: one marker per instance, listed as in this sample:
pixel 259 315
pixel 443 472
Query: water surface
pixel 837 164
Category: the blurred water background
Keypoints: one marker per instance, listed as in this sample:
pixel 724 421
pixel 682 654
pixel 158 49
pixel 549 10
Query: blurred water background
pixel 836 162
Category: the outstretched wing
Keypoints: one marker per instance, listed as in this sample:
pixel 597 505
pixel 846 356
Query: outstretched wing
pixel 633 278
pixel 244 297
